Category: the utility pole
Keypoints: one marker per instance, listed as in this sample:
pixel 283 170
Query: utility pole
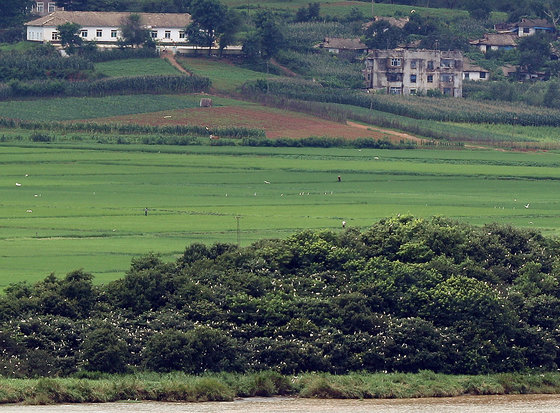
pixel 237 217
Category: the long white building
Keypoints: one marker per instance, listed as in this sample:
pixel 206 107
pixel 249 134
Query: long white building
pixel 168 29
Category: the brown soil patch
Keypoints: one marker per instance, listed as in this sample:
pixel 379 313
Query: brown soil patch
pixel 274 122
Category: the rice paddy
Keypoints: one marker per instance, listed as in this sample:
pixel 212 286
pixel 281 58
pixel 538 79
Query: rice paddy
pixel 82 206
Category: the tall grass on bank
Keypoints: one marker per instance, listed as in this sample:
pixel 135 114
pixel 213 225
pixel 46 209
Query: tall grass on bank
pixel 88 388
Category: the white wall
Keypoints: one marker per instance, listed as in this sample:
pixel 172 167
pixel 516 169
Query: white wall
pixel 35 33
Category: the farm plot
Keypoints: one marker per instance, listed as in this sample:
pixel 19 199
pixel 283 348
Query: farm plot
pixel 83 207
pixel 275 122
pixel 73 108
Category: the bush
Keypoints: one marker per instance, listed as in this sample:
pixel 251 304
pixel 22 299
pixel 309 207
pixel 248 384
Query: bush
pixel 105 351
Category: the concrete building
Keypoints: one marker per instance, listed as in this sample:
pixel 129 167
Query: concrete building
pixel 168 29
pixel 42 8
pixel 410 72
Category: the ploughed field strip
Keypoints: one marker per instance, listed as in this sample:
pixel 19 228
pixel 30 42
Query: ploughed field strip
pixel 275 122
pixel 85 208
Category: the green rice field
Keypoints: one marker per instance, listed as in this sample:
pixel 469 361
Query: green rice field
pixel 82 206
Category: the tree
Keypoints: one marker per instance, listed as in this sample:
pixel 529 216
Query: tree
pixel 534 51
pixel 69 38
pixel 133 33
pixel 479 9
pixel 311 13
pixel 13 12
pixel 208 17
pixel 382 35
pixel 551 10
pixel 267 38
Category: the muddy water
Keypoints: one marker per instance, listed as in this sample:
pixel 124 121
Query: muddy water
pixel 469 404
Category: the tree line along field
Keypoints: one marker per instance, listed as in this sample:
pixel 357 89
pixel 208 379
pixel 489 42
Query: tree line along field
pixel 82 205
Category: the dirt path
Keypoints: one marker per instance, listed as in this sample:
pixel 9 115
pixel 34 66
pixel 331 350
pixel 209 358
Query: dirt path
pixel 171 59
pixel 284 69
pixel 387 131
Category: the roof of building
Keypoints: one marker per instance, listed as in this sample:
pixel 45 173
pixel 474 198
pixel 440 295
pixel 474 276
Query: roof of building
pixel 399 22
pixel 535 23
pixel 469 66
pixel 508 69
pixel 111 19
pixel 497 39
pixel 344 44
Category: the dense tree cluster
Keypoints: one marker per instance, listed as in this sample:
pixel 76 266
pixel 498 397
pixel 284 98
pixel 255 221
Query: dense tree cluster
pixel 406 294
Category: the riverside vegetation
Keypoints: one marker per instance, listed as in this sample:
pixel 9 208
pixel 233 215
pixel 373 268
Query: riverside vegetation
pixel 405 295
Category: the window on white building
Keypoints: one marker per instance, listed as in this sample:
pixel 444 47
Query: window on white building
pixel 467 75
pixel 412 91
pixel 40 7
pixel 412 78
pixel 114 34
pixel 430 78
pixel 99 33
pixel 483 75
pixel 182 34
pixel 153 33
pixel 83 33
pixel 395 61
pixel 55 36
pixel 51 7
pixel 447 91
pixel 413 64
pixel 167 34
pixel 395 91
pixel 430 65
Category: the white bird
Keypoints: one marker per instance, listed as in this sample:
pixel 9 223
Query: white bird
pixel 18 184
pixel 266 182
pixel 167 116
pixel 26 175
pixel 36 195
pixel 29 210
pixel 527 206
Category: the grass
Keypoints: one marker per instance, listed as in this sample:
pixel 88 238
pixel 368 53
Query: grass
pixel 88 201
pixel 136 67
pixel 19 46
pixel 226 386
pixel 224 76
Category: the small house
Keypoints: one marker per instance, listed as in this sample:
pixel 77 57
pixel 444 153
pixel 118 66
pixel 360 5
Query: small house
pixel 337 45
pixel 474 72
pixel 496 41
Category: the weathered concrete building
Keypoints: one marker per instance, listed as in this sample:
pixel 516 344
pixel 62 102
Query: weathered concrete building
pixel 410 72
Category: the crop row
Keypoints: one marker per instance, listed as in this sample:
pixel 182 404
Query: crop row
pixel 179 130
pixel 443 109
pixel 103 87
